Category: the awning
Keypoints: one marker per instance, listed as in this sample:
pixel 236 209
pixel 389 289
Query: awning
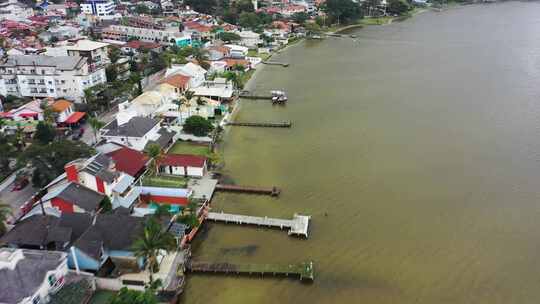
pixel 75 117
pixel 28 115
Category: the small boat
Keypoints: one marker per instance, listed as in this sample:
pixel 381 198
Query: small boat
pixel 278 96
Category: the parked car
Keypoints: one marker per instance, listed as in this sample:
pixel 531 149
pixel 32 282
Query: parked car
pixel 78 134
pixel 20 183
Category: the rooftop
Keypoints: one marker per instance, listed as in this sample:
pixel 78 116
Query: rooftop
pixel 29 273
pixel 60 62
pixel 86 45
pixel 135 127
pixel 183 160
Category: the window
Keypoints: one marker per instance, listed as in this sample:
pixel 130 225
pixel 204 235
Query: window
pixel 63 81
pixel 51 90
pixel 50 82
pixel 42 72
pixel 32 71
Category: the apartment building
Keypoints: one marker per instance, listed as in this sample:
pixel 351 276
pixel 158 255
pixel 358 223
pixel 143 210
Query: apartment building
pixel 47 76
pixel 123 33
pixel 98 7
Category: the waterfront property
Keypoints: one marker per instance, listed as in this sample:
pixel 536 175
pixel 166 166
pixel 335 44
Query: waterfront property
pixel 183 165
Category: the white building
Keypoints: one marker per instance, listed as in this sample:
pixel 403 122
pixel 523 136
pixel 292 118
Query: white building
pixel 97 53
pixel 15 10
pixel 249 38
pixel 46 76
pixel 98 7
pixel 31 276
pixel 196 72
pixel 136 132
pixel 123 33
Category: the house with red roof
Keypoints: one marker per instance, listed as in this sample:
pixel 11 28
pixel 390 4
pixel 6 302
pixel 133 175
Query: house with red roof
pixel 134 46
pixel 183 165
pixel 129 161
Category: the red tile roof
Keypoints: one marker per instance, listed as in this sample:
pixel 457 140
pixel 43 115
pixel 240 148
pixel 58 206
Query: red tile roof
pixel 183 160
pixel 179 81
pixel 136 44
pixel 128 160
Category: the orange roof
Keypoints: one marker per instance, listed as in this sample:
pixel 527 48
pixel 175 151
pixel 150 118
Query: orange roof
pixel 179 81
pixel 60 105
pixel 232 62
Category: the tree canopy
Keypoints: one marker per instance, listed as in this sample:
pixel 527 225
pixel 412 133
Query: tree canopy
pixel 45 133
pixel 198 126
pixel 398 7
pixel 49 160
pixel 127 296
pixel 343 11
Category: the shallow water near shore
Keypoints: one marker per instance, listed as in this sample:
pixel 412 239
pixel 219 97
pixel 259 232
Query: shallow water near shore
pixel 416 149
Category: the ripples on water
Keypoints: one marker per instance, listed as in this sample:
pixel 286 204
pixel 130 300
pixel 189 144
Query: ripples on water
pixel 420 144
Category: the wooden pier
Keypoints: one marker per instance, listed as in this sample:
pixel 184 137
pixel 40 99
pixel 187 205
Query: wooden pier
pixel 303 271
pixel 274 191
pixel 285 124
pixel 283 64
pixel 254 96
pixel 298 225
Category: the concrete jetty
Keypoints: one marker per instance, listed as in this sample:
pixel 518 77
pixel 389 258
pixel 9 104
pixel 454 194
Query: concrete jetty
pixel 298 225
pixel 283 64
pixel 285 124
pixel 303 271
pixel 274 191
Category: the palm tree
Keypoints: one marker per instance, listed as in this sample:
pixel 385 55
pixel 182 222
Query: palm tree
pixel 96 125
pixel 154 152
pixel 153 240
pixel 201 55
pixel 5 212
pixel 234 78
pixel 188 96
pixel 179 103
pixel 200 102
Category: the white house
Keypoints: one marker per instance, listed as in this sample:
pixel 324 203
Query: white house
pixel 237 51
pixel 136 132
pixel 249 39
pixel 31 276
pixel 183 165
pixel 196 72
pixel 47 76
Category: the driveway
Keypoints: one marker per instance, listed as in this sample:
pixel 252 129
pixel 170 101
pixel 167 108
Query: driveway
pixel 88 135
pixel 17 198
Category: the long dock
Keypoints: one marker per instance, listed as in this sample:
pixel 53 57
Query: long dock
pixel 274 191
pixel 254 96
pixel 303 271
pixel 298 225
pixel 286 124
pixel 283 64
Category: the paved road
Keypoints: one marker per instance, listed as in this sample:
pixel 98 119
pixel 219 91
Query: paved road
pixel 17 198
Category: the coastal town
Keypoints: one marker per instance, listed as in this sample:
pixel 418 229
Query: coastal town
pixel 112 119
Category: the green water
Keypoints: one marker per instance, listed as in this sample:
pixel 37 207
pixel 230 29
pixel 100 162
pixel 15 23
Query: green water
pixel 420 141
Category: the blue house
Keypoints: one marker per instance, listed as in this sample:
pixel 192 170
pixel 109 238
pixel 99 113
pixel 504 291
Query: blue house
pixel 110 237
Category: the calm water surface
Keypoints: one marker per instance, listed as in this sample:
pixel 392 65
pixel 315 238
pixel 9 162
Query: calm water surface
pixel 420 141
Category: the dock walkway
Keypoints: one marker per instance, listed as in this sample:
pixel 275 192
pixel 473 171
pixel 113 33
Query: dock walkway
pixel 286 124
pixel 304 271
pixel 274 191
pixel 298 225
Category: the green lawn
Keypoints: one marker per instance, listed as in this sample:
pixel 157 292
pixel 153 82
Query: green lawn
pixel 181 147
pixel 165 181
pixel 101 297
